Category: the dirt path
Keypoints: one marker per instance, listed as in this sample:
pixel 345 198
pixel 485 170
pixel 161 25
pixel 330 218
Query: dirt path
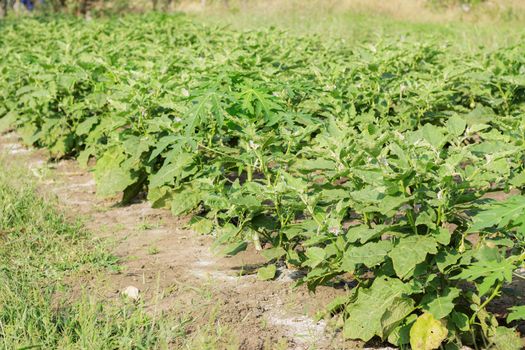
pixel 175 269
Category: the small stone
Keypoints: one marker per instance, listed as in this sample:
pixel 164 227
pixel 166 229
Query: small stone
pixel 131 292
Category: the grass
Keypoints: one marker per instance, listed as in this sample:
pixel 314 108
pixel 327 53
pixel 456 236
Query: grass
pixel 43 258
pixel 39 251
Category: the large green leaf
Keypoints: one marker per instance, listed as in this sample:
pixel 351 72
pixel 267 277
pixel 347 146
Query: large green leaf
pixel 363 233
pixel 8 121
pixel 388 298
pixel 410 251
pixel 487 273
pixel 434 136
pixel 110 177
pixel 171 171
pixel 501 214
pixel 456 125
pixel 185 200
pixel 370 254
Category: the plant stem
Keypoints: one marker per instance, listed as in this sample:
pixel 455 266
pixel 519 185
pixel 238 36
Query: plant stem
pixel 494 294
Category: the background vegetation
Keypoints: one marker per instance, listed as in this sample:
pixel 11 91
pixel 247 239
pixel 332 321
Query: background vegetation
pixel 415 10
pixel 363 151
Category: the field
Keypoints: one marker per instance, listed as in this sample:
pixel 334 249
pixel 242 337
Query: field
pixel 380 161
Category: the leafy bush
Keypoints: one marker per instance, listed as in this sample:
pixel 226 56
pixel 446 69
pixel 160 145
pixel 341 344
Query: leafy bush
pixel 371 162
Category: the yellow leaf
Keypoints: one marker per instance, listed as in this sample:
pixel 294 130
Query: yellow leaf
pixel 427 333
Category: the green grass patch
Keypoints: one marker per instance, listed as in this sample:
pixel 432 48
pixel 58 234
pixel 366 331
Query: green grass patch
pixel 39 251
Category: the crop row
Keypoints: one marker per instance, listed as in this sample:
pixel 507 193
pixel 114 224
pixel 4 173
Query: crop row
pixel 372 163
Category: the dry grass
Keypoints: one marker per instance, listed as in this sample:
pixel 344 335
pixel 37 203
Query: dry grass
pixel 404 10
pixel 492 24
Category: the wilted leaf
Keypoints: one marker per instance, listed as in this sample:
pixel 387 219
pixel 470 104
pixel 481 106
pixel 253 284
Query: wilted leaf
pixel 506 339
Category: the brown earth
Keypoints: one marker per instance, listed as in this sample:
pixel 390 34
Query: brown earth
pixel 175 269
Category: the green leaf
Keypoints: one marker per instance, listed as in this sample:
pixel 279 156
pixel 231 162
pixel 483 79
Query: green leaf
pixel 395 314
pixel 295 183
pixel 456 125
pixel 316 164
pixel 427 218
pixel 411 251
pixel 370 254
pixel 231 249
pixel 368 195
pixel 171 171
pixel 390 204
pixel 501 214
pixel 442 235
pixel 183 201
pixel 160 197
pixel 84 156
pixel 516 313
pixel 442 305
pixel 460 320
pixel 489 272
pixel 7 121
pixel 434 136
pixel 315 256
pixel 266 273
pixel 363 233
pixel 201 225
pixel 384 294
pixel 273 253
pixel 401 334
pixel 161 145
pixel 516 181
pixel 446 258
pixel 427 333
pixel 110 177
pixel 85 127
